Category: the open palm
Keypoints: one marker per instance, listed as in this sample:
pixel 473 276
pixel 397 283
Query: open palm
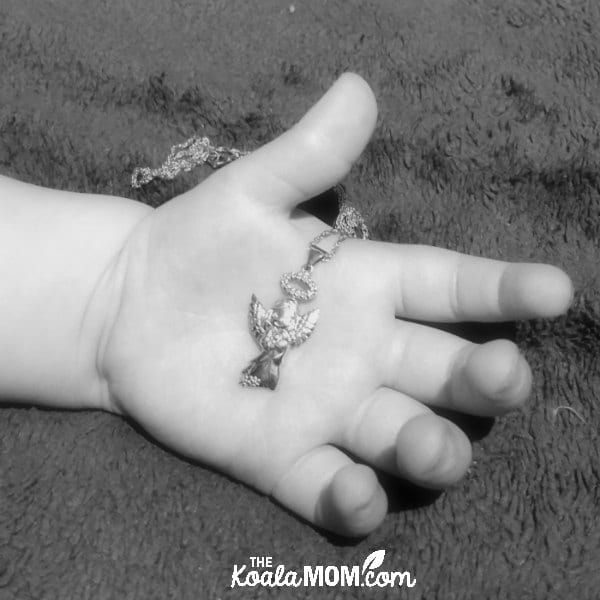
pixel 365 380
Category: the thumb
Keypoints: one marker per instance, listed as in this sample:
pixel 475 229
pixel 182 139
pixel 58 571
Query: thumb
pixel 315 154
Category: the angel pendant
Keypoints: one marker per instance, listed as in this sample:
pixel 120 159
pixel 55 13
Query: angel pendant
pixel 275 330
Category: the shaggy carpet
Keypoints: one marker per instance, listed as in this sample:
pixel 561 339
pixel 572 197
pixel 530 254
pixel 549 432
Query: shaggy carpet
pixel 487 143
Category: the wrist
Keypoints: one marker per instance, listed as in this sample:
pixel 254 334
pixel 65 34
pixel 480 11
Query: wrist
pixel 101 314
pixel 57 252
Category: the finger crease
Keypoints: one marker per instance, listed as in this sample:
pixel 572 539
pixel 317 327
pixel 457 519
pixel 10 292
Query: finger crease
pixel 454 294
pixel 352 432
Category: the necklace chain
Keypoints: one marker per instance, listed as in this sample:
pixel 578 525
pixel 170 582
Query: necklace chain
pixel 184 157
pixel 197 151
pixel 282 326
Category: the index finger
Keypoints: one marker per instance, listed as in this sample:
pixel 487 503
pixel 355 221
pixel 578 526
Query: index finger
pixel 433 284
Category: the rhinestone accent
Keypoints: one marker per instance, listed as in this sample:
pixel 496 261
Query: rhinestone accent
pixel 249 380
pixel 289 284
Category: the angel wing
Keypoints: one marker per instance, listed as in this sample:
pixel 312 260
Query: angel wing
pixel 257 315
pixel 303 327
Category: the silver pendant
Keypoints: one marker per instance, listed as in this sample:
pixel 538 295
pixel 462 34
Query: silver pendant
pixel 275 330
pixel 282 326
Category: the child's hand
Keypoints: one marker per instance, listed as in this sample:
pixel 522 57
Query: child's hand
pixel 177 338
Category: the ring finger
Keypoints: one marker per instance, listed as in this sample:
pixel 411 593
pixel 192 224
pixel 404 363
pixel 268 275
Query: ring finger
pixel 405 438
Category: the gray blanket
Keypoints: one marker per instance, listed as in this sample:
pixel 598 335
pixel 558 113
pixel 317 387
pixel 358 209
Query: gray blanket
pixel 487 142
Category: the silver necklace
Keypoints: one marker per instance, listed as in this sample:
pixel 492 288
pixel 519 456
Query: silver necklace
pixel 277 329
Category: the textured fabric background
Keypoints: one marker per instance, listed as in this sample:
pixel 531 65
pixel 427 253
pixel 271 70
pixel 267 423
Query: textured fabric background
pixel 487 142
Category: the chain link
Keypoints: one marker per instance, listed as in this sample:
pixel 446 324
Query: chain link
pixel 198 151
pixel 184 157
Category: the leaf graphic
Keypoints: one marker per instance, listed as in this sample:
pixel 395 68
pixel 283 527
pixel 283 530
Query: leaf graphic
pixel 374 560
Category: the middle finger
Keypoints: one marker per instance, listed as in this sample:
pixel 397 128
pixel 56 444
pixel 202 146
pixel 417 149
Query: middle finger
pixel 444 370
